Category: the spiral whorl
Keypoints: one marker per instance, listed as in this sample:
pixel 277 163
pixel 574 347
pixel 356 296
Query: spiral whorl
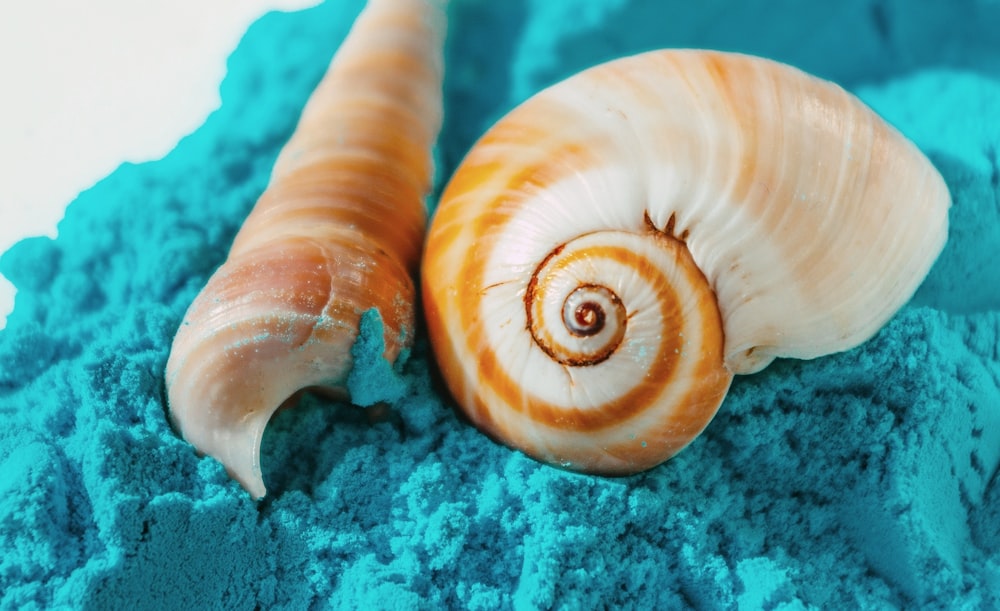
pixel 613 250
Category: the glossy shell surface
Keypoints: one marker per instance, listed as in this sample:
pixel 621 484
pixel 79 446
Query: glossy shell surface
pixel 338 231
pixel 612 251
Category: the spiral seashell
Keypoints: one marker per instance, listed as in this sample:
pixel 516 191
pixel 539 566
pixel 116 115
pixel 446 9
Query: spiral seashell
pixel 615 249
pixel 338 231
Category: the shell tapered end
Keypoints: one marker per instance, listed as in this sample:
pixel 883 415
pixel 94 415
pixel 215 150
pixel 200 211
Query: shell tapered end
pixel 237 447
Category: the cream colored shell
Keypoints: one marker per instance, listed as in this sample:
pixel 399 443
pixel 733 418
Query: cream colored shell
pixel 338 231
pixel 718 211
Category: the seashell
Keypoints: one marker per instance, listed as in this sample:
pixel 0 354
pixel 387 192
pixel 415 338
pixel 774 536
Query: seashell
pixel 338 231
pixel 615 249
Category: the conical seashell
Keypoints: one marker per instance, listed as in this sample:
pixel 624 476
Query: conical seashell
pixel 338 231
pixel 615 249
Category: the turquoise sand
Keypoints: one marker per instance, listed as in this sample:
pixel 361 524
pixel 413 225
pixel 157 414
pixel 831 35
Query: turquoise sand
pixel 862 479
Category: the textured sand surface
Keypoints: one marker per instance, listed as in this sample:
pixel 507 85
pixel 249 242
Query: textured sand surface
pixel 867 478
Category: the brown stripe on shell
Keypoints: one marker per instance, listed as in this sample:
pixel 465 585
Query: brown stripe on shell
pixel 348 195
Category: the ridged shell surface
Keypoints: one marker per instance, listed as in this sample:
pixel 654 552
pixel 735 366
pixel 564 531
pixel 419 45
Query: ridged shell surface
pixel 611 252
pixel 338 231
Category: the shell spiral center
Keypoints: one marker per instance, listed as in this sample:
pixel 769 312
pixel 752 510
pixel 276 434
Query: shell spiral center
pixel 573 317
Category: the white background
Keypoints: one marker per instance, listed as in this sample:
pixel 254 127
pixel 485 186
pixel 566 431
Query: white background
pixel 87 85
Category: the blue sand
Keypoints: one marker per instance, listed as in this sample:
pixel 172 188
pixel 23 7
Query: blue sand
pixel 863 479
